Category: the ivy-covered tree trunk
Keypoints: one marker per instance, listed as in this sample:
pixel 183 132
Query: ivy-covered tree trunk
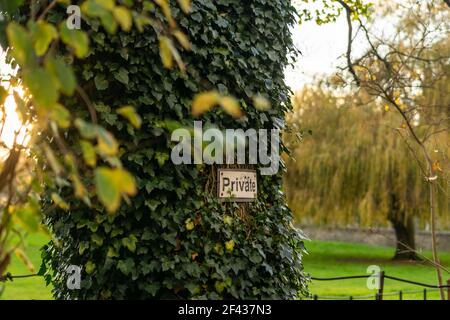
pixel 175 239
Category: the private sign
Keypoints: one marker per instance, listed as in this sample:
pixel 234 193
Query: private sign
pixel 238 185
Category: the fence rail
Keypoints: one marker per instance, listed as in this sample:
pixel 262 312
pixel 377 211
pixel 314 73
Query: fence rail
pixel 380 294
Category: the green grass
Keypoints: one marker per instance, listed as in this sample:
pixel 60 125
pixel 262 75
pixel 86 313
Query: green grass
pixel 326 259
pixel 333 259
pixel 28 288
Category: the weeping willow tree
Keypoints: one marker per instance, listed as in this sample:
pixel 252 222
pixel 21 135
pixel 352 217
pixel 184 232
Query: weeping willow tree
pixel 355 169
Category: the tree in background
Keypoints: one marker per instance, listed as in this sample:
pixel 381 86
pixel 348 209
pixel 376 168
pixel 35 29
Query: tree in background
pixel 407 69
pixel 354 169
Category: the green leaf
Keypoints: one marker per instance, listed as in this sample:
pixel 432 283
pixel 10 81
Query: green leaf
pixel 89 267
pixel 60 115
pixel 42 34
pixel 59 201
pixel 20 41
pixel 100 82
pixel 122 75
pixel 87 130
pixel 130 243
pixel 10 6
pixel 42 87
pixel 131 115
pixel 63 73
pixel 111 184
pixel 76 39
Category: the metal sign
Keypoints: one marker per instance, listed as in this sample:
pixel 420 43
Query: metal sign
pixel 238 185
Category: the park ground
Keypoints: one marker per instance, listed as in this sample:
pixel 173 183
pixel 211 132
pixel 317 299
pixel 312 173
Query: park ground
pixel 325 259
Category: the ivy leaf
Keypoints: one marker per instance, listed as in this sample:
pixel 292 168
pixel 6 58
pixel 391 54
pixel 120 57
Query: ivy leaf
pixel 42 34
pixel 89 267
pixel 111 184
pixel 123 17
pixel 130 243
pixel 42 87
pixel 131 115
pixel 100 82
pixel 204 102
pixel 21 43
pixel 122 76
pixel 76 39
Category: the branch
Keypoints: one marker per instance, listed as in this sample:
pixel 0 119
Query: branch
pixel 349 43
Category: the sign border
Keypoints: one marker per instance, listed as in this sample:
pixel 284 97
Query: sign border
pixel 229 199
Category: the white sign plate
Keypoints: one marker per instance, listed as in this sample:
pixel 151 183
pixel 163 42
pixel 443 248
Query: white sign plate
pixel 238 185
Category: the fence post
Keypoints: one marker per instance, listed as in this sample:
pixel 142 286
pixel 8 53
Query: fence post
pixel 315 297
pixel 448 289
pixel 381 286
pixel 425 294
pixel 400 295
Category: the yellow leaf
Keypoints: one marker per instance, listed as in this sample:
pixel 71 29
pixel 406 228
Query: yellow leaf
pixel 182 39
pixel 165 8
pixel 261 103
pixel 123 17
pixel 189 224
pixel 89 154
pixel 227 220
pixel 59 201
pixel 203 102
pixel 231 106
pixel 165 52
pixel 185 5
pixel 112 184
pixel 54 163
pixel 386 107
pixel 106 143
pixel 229 245
pixel 24 258
pixel 80 190
pixel 131 115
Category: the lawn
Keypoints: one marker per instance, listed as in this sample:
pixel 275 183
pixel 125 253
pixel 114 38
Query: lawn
pixel 334 259
pixel 326 259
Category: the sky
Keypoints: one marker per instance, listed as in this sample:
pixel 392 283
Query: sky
pixel 321 48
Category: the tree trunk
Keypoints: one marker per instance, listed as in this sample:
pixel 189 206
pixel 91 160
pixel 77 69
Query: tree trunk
pixel 404 231
pixel 404 234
